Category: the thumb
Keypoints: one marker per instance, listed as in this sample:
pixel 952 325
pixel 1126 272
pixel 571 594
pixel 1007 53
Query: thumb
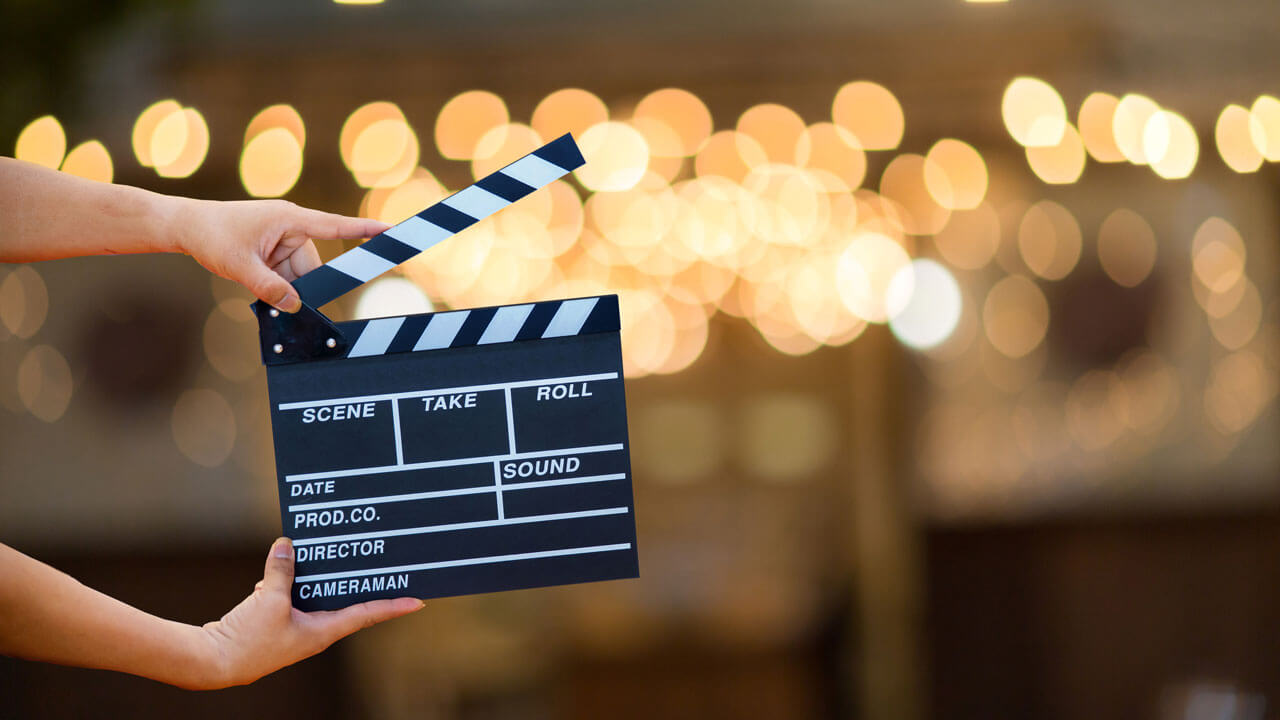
pixel 278 574
pixel 269 286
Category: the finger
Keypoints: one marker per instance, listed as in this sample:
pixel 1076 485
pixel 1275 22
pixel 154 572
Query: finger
pixel 305 259
pixel 327 226
pixel 341 623
pixel 295 262
pixel 284 249
pixel 269 286
pixel 277 576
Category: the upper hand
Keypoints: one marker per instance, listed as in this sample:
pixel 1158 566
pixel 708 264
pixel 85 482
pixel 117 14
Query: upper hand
pixel 265 633
pixel 264 244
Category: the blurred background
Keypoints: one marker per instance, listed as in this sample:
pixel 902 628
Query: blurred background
pixel 952 331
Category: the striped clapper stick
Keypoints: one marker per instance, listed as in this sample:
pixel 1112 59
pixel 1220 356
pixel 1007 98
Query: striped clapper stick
pixel 439 222
pixel 454 452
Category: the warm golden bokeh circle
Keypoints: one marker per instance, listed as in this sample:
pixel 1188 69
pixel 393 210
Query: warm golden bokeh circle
pixel 871 112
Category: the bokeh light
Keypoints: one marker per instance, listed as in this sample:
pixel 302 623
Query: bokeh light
pixel 955 174
pixel 179 144
pixel 617 156
pixel 1234 138
pixel 565 222
pixel 1049 240
pixel 408 198
pixel 271 163
pixel 391 296
pixel 833 155
pixel 169 139
pixel 776 128
pixel 1170 145
pixel 632 221
pixel 1059 164
pixel 1235 329
pixel 42 142
pixel 1015 316
pixel 682 112
pixel 787 206
pixel 1096 408
pixel 1217 255
pixel 90 160
pixel 24 301
pixel 277 116
pixel 970 238
pixel 570 110
pixel 360 120
pixel 1238 389
pixel 1033 112
pixel 932 308
pixel 1265 127
pixel 1129 124
pixel 871 113
pixel 648 331
pixel 231 340
pixel 144 128
pixel 502 146
pixel 1151 390
pixel 1095 123
pixel 730 155
pixel 767 220
pixel 465 119
pixel 384 149
pixel 864 272
pixel 905 182
pixel 1126 247
pixel 1219 304
pixel 690 337
pixel 45 383
pixel 204 427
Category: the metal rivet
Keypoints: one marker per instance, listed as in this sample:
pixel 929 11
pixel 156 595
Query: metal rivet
pixel 331 343
pixel 274 312
pixel 278 348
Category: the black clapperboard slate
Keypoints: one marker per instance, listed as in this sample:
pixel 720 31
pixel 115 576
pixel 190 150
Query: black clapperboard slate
pixel 455 452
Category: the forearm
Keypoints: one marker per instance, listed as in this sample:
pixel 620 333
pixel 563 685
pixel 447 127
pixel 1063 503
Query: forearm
pixel 47 615
pixel 51 214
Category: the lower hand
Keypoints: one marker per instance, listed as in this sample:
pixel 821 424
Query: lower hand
pixel 265 633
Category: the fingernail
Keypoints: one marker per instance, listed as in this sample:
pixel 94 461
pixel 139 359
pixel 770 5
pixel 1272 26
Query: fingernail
pixel 283 549
pixel 422 604
pixel 290 304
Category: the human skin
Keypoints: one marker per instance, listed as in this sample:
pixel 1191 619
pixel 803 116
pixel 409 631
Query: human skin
pixel 262 244
pixel 47 615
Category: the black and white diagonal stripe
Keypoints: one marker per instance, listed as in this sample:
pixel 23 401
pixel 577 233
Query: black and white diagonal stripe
pixel 482 326
pixel 440 221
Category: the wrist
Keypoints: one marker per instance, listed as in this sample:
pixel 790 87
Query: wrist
pixel 200 664
pixel 170 219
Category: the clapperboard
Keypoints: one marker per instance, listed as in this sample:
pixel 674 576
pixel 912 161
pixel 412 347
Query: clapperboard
pixel 454 452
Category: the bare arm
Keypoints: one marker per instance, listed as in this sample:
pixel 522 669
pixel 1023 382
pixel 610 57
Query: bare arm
pixel 46 615
pixel 261 244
